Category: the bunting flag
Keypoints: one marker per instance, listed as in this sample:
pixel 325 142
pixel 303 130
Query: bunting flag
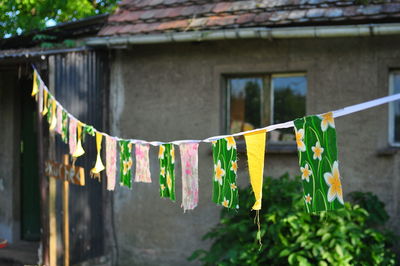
pixel 35 87
pixel 111 161
pixel 255 146
pixel 166 157
pixel 79 151
pixel 125 160
pixel 225 191
pixel 64 127
pixel 40 97
pixel 53 114
pixel 316 143
pixel 98 167
pixel 190 177
pixel 59 120
pixel 72 135
pixel 142 163
pixel 45 98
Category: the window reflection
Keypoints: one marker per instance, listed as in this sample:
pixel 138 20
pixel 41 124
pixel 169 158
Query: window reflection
pixel 245 103
pixel 396 107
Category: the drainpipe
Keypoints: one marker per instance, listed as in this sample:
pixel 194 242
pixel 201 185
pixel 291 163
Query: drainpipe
pixel 250 33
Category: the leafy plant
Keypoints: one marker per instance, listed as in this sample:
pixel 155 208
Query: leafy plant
pixel 291 236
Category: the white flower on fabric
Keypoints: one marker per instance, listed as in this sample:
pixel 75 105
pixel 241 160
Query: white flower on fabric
pixel 335 186
pixel 318 150
pixel 306 172
pixel 327 120
pixel 299 139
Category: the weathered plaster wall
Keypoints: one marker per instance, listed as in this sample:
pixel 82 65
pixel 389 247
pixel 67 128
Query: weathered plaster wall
pixel 173 91
pixel 9 158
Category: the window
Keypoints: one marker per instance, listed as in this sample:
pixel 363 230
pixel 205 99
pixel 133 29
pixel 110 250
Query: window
pixel 260 100
pixel 394 110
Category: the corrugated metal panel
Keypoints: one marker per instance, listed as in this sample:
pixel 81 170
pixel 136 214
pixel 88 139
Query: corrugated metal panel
pixel 80 84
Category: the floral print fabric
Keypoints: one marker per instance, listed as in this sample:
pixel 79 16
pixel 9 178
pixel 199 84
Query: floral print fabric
pixel 225 191
pixel 64 129
pixel 316 143
pixel 125 173
pixel 166 157
pixel 142 163
pixel 72 135
pixel 190 176
pixel 59 120
pixel 111 161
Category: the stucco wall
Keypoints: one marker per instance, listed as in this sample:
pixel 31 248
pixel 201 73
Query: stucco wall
pixel 9 158
pixel 173 91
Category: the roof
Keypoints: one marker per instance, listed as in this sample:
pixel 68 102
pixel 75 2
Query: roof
pixel 70 30
pixel 134 17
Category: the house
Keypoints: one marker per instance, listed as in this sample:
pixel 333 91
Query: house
pixel 194 69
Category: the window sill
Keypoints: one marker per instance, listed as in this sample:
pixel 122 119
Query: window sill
pixel 271 148
pixel 387 151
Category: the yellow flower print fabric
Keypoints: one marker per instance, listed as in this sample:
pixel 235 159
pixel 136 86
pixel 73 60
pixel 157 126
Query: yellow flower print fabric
pixel 225 191
pixel 166 157
pixel 125 173
pixel 316 143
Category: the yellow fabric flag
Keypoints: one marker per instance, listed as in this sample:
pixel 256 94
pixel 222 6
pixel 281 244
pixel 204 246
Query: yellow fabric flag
pixel 35 88
pixel 79 151
pixel 53 123
pixel 45 96
pixel 255 146
pixel 99 166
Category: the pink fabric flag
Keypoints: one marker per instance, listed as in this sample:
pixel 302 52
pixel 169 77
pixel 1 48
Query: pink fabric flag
pixel 190 176
pixel 142 163
pixel 59 120
pixel 72 135
pixel 111 161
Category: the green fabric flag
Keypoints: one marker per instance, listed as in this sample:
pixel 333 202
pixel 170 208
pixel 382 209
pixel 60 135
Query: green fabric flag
pixel 64 130
pixel 316 143
pixel 166 157
pixel 125 170
pixel 225 191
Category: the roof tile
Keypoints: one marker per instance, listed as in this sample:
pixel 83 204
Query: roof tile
pixel 150 16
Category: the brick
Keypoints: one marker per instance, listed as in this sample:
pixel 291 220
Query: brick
pixel 391 8
pixel 190 10
pixel 370 10
pixel 221 21
pixel 350 11
pixel 262 17
pixel 280 15
pixel 148 14
pixel 243 6
pixel 177 24
pixel 222 7
pixel 296 14
pixel 174 12
pixel 198 22
pixel 333 12
pixel 315 13
pixel 245 18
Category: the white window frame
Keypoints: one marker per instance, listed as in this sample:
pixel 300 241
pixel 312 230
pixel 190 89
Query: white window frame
pixel 392 142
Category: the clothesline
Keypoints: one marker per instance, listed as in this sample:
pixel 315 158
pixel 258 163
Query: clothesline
pixel 337 113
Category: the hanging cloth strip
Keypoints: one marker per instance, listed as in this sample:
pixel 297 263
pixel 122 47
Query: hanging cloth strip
pixel 53 119
pixel 316 143
pixel 95 172
pixel 79 151
pixel 65 127
pixel 190 176
pixel 142 163
pixel 125 159
pixel 166 157
pixel 72 135
pixel 59 120
pixel 111 162
pixel 225 191
pixel 255 146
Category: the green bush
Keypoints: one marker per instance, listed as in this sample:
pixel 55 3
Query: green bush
pixel 291 236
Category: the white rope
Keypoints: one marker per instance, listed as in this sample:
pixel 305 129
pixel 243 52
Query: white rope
pixel 338 113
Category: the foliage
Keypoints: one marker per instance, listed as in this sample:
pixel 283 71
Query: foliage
pixel 291 236
pixel 18 16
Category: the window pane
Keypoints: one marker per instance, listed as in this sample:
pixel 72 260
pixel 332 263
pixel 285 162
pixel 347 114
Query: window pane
pixel 396 107
pixel 289 103
pixel 245 103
